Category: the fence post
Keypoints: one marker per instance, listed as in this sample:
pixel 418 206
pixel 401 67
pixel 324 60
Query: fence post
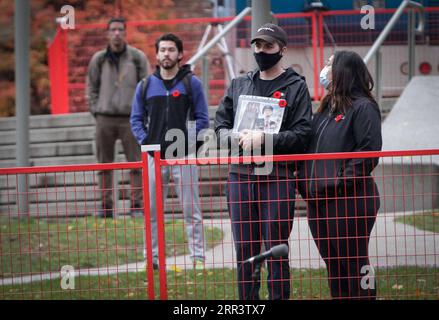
pixel 378 77
pixel 314 49
pixel 322 50
pixel 205 75
pixel 411 41
pixel 59 73
pixel 160 224
pixel 147 220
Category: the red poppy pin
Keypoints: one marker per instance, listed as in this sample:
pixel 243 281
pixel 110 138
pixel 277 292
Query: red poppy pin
pixel 277 95
pixel 282 103
pixel 339 117
pixel 176 93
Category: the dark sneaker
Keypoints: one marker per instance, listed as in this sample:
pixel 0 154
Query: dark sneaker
pixel 155 265
pixel 106 213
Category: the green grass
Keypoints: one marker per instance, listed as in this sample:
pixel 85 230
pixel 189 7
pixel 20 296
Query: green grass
pixel 219 284
pixel 29 245
pixel 428 221
pixel 39 245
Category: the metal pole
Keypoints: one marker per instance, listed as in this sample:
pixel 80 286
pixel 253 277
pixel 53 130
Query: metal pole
pixel 228 7
pixel 411 42
pixel 22 96
pixel 261 14
pixel 202 43
pixel 215 8
pixel 205 77
pixel 378 75
pixel 204 38
pixel 227 56
pixel 218 37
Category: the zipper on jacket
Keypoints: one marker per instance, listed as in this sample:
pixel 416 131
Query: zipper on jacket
pixel 325 122
pixel 166 110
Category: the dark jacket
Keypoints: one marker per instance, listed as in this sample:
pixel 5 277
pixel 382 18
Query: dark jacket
pixel 359 129
pixel 163 109
pixel 294 132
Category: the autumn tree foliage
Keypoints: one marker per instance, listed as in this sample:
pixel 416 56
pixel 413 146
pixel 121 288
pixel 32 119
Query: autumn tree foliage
pixel 43 28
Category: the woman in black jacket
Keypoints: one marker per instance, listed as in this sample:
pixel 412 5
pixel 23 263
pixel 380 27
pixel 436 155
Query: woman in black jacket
pixel 342 196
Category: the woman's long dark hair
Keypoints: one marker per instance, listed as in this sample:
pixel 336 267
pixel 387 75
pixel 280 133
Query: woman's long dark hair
pixel 350 80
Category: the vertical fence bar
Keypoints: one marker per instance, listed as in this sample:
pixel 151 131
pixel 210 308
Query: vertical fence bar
pixel 160 225
pixel 411 41
pixel 314 50
pixel 322 52
pixel 378 75
pixel 147 221
pixel 205 75
pixel 22 96
pixel 64 72
pixel 53 74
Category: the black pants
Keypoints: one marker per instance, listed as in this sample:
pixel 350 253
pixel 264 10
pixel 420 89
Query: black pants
pixel 341 229
pixel 261 209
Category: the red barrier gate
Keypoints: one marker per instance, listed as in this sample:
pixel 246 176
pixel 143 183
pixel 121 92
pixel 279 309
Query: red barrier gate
pixel 312 36
pixel 59 249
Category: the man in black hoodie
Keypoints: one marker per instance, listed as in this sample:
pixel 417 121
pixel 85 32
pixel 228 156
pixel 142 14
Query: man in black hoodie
pixel 168 102
pixel 261 202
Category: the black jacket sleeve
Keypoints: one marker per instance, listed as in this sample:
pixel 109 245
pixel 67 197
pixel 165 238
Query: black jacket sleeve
pixel 224 119
pixel 367 135
pixel 295 132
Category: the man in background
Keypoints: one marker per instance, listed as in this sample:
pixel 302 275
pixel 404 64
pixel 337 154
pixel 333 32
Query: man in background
pixel 113 74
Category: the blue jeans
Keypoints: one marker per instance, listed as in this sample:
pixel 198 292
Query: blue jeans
pixel 261 209
pixel 186 186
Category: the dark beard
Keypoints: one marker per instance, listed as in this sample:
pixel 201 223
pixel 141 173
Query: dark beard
pixel 169 66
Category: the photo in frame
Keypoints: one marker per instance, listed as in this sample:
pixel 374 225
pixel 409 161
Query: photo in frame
pixel 258 114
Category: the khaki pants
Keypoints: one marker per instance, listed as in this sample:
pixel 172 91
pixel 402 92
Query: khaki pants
pixel 108 130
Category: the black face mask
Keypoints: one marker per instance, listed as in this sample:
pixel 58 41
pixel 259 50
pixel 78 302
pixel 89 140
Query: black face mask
pixel 267 60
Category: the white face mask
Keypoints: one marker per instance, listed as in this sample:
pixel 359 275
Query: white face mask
pixel 324 77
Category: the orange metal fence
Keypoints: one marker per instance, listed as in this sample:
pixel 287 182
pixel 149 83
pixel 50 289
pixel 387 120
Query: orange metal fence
pixel 345 239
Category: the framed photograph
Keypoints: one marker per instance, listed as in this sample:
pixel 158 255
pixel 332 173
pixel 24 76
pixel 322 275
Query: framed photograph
pixel 258 114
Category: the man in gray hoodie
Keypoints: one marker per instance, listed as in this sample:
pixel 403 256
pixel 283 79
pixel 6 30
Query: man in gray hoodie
pixel 113 74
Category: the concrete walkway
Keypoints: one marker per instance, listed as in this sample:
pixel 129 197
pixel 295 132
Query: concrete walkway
pixel 392 244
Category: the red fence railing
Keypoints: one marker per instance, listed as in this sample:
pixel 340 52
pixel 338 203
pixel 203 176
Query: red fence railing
pixel 313 37
pixel 345 240
pixel 59 73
